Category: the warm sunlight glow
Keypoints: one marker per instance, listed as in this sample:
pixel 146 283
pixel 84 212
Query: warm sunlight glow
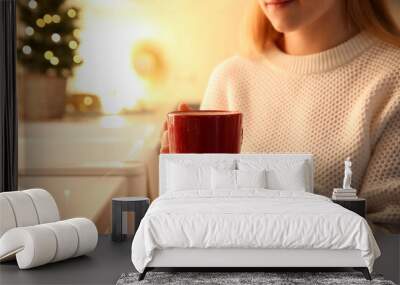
pixel 106 41
pixel 189 39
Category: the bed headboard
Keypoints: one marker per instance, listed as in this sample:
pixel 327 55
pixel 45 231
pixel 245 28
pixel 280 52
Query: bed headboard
pixel 164 158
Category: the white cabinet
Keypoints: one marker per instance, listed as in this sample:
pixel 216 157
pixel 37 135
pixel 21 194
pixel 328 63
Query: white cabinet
pixel 85 190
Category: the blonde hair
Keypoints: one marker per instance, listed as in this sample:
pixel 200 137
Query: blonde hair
pixel 369 15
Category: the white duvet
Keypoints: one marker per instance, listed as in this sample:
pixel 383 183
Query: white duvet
pixel 250 219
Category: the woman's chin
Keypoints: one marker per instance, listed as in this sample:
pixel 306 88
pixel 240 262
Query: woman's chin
pixel 284 26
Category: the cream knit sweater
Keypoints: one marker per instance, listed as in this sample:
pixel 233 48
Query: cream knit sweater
pixel 343 102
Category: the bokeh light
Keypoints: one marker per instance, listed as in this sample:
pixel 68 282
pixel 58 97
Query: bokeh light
pixel 55 37
pixel 54 60
pixel 76 33
pixel 40 23
pixel 56 18
pixel 27 50
pixel 48 54
pixel 47 19
pixel 32 4
pixel 71 13
pixel 29 31
pixel 77 59
pixel 73 44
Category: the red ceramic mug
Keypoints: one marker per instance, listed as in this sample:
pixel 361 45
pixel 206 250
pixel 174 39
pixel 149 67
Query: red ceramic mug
pixel 205 131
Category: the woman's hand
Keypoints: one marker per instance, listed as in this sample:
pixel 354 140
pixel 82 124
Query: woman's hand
pixel 164 137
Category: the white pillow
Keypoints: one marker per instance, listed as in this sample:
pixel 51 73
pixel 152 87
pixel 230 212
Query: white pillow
pixel 281 174
pixel 223 179
pixel 236 179
pixel 251 178
pixel 181 178
pixel 188 175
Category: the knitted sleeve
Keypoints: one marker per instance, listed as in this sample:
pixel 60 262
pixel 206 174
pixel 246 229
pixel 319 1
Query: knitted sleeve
pixel 215 97
pixel 381 184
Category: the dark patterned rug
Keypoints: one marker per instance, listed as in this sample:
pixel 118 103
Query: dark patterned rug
pixel 269 278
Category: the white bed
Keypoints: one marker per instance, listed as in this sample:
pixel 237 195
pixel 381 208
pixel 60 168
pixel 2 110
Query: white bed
pixel 248 227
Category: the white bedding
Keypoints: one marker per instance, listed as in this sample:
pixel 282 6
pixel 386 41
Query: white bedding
pixel 250 218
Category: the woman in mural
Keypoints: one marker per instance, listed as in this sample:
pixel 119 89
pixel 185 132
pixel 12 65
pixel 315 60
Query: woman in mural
pixel 321 77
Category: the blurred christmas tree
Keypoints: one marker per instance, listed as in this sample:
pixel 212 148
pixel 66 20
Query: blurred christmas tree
pixel 50 38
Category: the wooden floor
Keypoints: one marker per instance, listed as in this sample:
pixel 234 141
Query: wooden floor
pixel 111 259
pixel 103 266
pixel 389 263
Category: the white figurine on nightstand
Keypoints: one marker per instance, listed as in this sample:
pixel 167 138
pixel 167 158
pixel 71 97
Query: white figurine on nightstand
pixel 347 192
pixel 347 174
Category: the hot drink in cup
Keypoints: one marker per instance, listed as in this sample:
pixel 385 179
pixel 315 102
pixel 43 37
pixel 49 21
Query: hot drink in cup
pixel 205 131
